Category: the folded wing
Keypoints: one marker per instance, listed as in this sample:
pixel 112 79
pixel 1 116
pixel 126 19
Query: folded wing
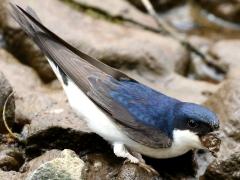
pixel 98 81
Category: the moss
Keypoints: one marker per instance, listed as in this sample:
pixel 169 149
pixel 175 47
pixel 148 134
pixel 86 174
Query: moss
pixel 94 12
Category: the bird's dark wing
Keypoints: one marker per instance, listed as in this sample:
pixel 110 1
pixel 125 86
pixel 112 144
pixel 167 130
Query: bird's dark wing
pixel 99 82
pixel 135 108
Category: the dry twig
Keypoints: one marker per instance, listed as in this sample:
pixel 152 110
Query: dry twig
pixel 13 135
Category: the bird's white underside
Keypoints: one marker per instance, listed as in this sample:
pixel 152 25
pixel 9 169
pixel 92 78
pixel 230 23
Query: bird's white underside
pixel 100 123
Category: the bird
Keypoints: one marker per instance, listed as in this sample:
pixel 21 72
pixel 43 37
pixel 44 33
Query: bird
pixel 134 118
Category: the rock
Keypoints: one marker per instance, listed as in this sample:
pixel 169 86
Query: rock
pixel 47 112
pixel 198 68
pixel 117 45
pixel 228 10
pixel 101 165
pixel 3 14
pixel 119 9
pixel 6 90
pixel 225 168
pixel 35 163
pixel 219 26
pixel 21 77
pixel 67 166
pixel 2 41
pixel 227 51
pixel 179 17
pixel 19 44
pixel 10 175
pixel 184 166
pixel 107 166
pixel 225 102
pixel 158 4
pixel 10 158
pixel 132 172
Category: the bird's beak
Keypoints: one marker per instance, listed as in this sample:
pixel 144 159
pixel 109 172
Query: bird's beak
pixel 212 142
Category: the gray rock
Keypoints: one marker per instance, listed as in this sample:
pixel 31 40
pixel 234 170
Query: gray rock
pixel 157 4
pixel 225 102
pixel 101 165
pixel 10 158
pixel 227 51
pixel 228 10
pixel 35 163
pixel 119 9
pixel 6 90
pixel 3 14
pixel 198 68
pixel 68 166
pixel 132 171
pixel 226 168
pixel 35 102
pixel 117 45
pixel 10 175
pixel 21 77
pixel 19 44
pixel 108 166
pixel 55 113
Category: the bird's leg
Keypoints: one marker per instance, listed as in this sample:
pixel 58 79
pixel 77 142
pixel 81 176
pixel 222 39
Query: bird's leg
pixel 138 156
pixel 121 151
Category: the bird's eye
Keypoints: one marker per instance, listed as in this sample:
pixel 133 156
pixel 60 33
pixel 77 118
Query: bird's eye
pixel 192 123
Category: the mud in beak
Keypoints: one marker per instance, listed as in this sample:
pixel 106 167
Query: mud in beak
pixel 212 142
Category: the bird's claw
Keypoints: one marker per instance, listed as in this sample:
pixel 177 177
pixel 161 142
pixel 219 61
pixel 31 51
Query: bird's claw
pixel 144 166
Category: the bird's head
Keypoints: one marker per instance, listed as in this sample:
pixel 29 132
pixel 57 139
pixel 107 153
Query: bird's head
pixel 198 126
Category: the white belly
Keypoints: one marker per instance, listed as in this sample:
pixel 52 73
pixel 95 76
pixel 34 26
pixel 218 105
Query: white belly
pixel 100 123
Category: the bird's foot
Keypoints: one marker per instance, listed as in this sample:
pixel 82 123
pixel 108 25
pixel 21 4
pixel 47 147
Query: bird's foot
pixel 121 151
pixel 144 166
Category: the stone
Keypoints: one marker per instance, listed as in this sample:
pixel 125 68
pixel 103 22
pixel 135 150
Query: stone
pixel 117 45
pixel 184 166
pixel 225 168
pixel 101 165
pixel 225 102
pixel 3 14
pixel 228 10
pixel 20 77
pixel 10 175
pixel 119 9
pixel 68 166
pixel 10 158
pixel 179 17
pixel 157 4
pixel 198 67
pixel 227 51
pixel 6 90
pixel 132 171
pixel 19 44
pixel 35 163
pixel 54 113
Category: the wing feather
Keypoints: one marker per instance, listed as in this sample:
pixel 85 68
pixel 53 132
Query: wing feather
pixel 93 77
